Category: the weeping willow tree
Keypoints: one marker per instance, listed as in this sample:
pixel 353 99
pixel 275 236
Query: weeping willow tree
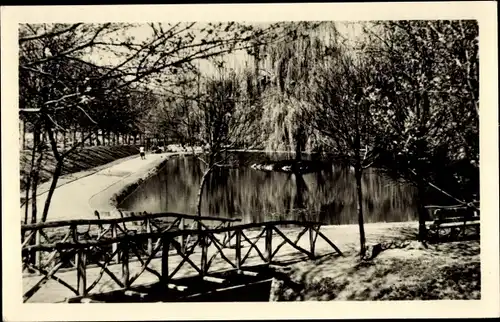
pixel 289 64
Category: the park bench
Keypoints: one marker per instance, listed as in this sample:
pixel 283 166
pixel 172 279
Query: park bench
pixel 453 221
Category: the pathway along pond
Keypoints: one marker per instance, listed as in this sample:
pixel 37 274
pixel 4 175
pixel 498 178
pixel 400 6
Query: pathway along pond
pixel 328 196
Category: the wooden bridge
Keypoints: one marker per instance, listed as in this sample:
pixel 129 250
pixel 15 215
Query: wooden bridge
pixel 102 255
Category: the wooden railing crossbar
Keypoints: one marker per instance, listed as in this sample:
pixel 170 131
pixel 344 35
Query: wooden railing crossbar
pixel 145 267
pixel 219 250
pixel 53 277
pixel 294 245
pixel 110 274
pixel 252 245
pixel 179 266
pixel 285 241
pixel 42 281
pixel 102 271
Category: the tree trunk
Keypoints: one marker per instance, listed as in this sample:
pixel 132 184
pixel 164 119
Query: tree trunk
pixel 299 143
pixel 56 134
pixel 36 177
pixel 422 212
pixel 34 185
pixel 23 124
pixel 200 195
pixel 74 137
pixel 362 239
pixel 53 185
pixel 200 190
pixel 28 183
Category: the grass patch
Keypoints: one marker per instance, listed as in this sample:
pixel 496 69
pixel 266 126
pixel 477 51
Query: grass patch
pixel 413 273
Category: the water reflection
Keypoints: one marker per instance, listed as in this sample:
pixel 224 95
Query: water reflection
pixel 328 196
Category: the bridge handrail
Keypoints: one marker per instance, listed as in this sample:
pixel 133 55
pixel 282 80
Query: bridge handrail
pixel 170 234
pixel 140 216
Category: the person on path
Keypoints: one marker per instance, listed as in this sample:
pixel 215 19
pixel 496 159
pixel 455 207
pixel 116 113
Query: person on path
pixel 141 152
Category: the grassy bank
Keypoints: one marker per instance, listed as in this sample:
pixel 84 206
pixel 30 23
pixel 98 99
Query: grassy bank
pixel 81 160
pixel 406 270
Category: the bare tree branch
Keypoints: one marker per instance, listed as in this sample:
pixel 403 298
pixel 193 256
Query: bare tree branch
pixel 49 34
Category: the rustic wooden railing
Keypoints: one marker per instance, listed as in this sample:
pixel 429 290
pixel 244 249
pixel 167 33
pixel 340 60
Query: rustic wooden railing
pixel 226 244
pixel 97 229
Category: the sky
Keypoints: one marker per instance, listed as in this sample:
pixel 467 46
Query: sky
pixel 237 60
pixel 141 32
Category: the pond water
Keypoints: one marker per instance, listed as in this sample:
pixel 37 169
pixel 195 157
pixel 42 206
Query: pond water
pixel 328 196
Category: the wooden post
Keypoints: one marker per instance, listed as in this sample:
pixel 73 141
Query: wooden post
pixel 125 257
pixel 91 140
pixel 183 237
pixel 165 241
pixel 97 141
pixel 150 241
pixel 311 240
pixel 74 234
pixel 238 249
pixel 23 128
pixel 269 243
pixel 80 262
pixel 38 254
pixel 204 250
pixel 114 246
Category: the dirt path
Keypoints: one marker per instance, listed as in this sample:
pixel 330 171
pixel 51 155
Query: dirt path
pixel 79 198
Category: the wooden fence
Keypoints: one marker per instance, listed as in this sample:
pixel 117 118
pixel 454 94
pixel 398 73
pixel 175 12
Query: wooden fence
pixel 225 242
pixel 86 230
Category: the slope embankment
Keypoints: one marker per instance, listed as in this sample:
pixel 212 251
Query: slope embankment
pixel 84 161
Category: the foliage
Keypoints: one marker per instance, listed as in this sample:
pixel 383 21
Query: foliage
pixel 425 93
pixel 289 64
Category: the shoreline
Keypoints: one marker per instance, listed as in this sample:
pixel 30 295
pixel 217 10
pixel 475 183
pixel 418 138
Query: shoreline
pixel 109 198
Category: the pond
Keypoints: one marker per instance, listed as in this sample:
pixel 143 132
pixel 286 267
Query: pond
pixel 328 196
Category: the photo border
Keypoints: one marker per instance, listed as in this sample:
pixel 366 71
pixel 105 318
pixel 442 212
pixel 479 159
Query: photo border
pixel 483 12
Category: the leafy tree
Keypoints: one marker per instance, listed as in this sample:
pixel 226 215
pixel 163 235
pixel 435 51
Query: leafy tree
pixel 425 90
pixel 289 62
pixel 225 121
pixel 338 109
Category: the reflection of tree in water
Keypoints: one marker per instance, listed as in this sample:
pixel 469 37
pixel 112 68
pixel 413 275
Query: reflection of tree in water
pixel 300 190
